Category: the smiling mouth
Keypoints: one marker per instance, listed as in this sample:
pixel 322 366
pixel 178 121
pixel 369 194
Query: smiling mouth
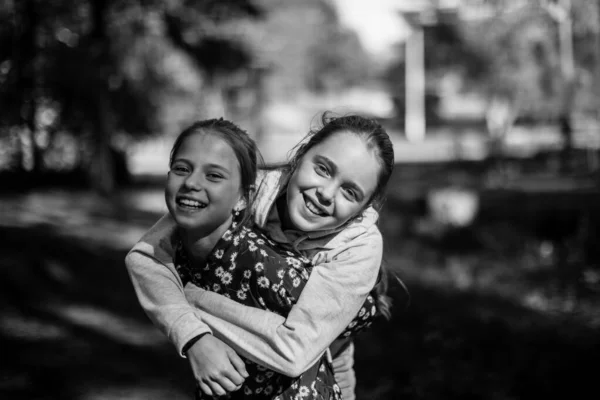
pixel 190 204
pixel 313 208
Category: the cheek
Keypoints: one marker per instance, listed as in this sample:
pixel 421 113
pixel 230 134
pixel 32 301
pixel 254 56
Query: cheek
pixel 169 187
pixel 347 210
pixel 303 176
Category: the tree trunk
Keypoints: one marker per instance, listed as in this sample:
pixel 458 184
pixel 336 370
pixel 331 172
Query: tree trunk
pixel 26 102
pixel 102 172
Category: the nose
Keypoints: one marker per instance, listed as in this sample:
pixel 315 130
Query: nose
pixel 193 182
pixel 325 194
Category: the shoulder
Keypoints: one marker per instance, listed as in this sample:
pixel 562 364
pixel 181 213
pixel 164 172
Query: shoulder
pixel 157 242
pixel 270 180
pixel 268 184
pixel 362 230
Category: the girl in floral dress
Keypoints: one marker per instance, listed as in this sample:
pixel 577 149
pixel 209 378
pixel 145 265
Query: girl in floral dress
pixel 248 267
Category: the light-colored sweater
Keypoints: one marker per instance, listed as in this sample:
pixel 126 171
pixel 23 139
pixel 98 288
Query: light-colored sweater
pixel 346 266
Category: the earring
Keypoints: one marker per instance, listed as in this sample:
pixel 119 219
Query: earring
pixel 240 205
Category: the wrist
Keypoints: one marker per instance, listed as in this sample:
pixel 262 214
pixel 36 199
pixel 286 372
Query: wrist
pixel 192 342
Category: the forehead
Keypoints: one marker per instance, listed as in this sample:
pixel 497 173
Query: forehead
pixel 352 157
pixel 207 148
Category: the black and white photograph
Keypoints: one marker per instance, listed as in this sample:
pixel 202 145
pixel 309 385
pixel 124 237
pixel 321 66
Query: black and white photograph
pixel 299 199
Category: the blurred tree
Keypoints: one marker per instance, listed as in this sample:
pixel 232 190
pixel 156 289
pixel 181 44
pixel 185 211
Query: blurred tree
pixel 533 61
pixel 542 55
pixel 337 59
pixel 105 67
pixel 447 50
pixel 19 105
pixel 306 47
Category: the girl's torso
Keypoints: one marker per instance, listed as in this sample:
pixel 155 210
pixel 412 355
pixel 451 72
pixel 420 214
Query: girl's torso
pixel 250 268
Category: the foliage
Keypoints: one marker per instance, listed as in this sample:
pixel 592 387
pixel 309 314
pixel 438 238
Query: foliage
pixel 103 67
pixel 513 53
pixel 338 58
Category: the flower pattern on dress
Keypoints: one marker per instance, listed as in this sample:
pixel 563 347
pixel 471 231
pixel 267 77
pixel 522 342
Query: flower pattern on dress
pixel 250 268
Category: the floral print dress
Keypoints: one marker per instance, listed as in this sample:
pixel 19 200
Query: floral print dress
pixel 247 266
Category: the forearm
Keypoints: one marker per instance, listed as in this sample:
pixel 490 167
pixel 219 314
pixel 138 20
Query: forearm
pixel 259 343
pixel 287 345
pixel 332 297
pixel 160 293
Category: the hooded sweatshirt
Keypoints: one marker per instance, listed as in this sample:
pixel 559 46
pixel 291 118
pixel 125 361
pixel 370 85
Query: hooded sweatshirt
pixel 346 266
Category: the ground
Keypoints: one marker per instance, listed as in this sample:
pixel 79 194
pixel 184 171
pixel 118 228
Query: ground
pixel 71 328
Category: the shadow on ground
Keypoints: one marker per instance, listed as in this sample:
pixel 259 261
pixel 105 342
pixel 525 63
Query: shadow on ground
pixel 71 328
pixel 449 345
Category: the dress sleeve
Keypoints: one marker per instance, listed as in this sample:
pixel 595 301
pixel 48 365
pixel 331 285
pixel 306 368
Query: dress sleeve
pixel 332 297
pixel 158 287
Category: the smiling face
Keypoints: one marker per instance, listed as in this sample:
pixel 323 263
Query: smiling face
pixel 332 183
pixel 203 185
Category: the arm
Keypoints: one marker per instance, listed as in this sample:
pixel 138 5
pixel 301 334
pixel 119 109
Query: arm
pixel 216 367
pixel 332 297
pixel 159 288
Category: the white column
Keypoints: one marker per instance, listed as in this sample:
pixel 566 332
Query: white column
pixel 415 85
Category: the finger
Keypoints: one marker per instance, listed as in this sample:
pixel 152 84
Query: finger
pixel 205 389
pixel 233 377
pixel 238 364
pixel 227 384
pixel 238 387
pixel 216 388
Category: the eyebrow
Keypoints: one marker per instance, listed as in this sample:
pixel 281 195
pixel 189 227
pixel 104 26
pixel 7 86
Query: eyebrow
pixel 208 166
pixel 217 166
pixel 334 169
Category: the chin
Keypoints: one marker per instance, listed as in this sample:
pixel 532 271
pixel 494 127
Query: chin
pixel 307 226
pixel 300 223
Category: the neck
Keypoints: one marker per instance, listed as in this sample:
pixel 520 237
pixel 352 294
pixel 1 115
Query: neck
pixel 284 215
pixel 198 245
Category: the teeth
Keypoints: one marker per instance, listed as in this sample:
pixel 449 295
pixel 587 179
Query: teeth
pixel 314 209
pixel 191 203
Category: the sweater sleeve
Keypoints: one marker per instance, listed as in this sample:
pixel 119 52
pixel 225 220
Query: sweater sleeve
pixel 158 287
pixel 330 300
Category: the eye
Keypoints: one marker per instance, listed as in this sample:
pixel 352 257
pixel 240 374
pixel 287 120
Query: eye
pixel 214 177
pixel 350 194
pixel 322 169
pixel 180 169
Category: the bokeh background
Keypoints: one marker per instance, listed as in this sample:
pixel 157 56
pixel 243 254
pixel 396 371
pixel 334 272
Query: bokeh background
pixel 492 217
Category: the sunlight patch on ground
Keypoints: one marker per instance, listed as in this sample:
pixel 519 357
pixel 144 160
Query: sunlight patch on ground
pixel 27 328
pixel 79 214
pixel 120 329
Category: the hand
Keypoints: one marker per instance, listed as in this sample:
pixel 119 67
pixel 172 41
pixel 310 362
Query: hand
pixel 217 368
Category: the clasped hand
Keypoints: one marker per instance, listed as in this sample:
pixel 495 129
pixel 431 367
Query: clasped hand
pixel 216 366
